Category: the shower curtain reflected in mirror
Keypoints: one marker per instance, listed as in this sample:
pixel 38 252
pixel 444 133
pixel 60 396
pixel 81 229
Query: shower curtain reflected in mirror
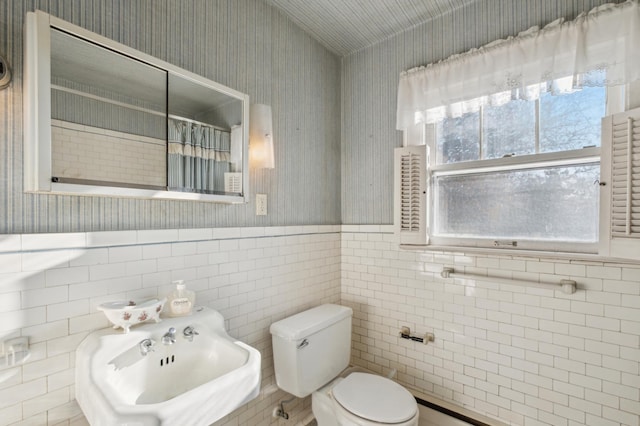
pixel 199 156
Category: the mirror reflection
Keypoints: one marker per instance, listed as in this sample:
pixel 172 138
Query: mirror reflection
pixel 107 116
pixel 120 122
pixel 204 139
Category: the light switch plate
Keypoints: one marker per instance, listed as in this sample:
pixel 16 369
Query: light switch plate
pixel 261 204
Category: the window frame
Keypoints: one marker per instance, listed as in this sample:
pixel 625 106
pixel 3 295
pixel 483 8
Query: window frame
pixel 426 134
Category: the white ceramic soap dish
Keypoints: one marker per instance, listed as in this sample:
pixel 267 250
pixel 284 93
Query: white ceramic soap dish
pixel 125 314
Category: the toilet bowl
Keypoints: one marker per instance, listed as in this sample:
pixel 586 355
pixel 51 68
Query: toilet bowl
pixel 311 351
pixel 363 399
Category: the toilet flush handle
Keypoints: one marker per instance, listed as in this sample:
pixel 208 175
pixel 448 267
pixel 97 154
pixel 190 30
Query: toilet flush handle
pixel 303 344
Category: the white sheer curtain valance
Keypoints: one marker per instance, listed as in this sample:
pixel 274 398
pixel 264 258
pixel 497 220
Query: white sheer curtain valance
pixel 601 47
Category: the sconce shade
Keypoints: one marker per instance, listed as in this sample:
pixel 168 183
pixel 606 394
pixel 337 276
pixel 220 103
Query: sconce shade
pixel 261 137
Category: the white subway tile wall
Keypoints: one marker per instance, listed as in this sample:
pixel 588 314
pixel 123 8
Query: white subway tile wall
pixel 50 292
pixel 524 355
pixel 85 152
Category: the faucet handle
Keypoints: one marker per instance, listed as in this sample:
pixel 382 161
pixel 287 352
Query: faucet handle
pixel 189 332
pixel 146 346
pixel 169 337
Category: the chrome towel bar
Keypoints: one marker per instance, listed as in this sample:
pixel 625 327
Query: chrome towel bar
pixel 566 286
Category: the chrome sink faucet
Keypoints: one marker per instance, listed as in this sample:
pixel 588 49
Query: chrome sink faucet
pixel 146 346
pixel 189 333
pixel 169 337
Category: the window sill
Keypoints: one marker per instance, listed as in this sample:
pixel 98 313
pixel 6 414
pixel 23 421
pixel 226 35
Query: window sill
pixel 540 254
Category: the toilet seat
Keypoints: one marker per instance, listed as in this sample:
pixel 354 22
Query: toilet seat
pixel 375 398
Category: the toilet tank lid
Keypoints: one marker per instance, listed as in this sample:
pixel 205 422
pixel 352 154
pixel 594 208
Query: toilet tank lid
pixel 309 322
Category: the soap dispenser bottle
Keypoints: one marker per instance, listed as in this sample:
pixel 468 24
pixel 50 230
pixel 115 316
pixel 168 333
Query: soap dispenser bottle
pixel 181 300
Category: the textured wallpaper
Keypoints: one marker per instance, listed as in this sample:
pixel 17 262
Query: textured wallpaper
pixel 243 44
pixel 369 90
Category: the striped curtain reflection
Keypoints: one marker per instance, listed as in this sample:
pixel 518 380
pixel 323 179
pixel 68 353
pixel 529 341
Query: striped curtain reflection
pixel 198 156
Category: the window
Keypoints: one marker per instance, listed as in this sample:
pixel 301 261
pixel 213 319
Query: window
pixel 520 173
pixel 513 132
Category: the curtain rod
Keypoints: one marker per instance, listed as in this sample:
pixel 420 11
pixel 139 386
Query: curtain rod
pixel 189 120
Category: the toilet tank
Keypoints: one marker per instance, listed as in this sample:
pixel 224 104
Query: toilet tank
pixel 311 348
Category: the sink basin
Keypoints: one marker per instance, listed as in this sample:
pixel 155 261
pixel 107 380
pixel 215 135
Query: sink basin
pixel 194 381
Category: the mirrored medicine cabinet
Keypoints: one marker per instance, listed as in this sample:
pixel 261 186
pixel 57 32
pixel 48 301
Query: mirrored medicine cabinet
pixel 104 119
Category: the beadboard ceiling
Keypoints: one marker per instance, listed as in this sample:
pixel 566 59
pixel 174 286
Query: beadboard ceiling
pixel 346 26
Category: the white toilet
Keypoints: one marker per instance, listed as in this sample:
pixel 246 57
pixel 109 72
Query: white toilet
pixel 311 349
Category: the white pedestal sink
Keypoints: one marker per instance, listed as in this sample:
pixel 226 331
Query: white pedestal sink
pixel 196 380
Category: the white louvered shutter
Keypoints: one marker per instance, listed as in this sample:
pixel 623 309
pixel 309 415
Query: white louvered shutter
pixel 621 190
pixel 410 194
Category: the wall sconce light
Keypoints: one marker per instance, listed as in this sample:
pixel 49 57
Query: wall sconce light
pixel 5 73
pixel 261 137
